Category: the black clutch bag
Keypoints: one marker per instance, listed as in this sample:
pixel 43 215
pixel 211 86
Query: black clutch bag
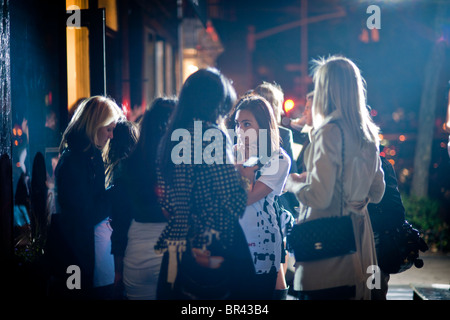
pixel 325 237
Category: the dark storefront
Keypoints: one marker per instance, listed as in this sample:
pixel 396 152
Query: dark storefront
pixel 50 57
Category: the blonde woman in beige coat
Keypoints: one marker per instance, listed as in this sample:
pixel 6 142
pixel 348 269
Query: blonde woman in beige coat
pixel 339 96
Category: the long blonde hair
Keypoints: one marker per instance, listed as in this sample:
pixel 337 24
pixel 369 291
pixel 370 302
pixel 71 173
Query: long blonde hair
pixel 92 114
pixel 340 86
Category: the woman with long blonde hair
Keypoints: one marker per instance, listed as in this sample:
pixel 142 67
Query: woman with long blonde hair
pixel 342 125
pixel 340 86
pixel 81 197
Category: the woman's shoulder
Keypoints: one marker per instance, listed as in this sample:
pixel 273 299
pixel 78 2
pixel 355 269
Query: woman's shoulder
pixel 283 156
pixel 78 159
pixel 68 156
pixel 331 128
pixel 278 164
pixel 329 134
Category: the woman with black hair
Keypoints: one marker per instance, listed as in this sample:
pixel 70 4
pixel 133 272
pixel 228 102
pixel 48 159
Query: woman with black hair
pixel 137 219
pixel 205 252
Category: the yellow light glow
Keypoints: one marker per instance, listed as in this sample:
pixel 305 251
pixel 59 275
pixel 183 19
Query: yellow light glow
pixel 82 4
pixel 289 105
pixel 78 74
pixel 192 68
pixel 111 13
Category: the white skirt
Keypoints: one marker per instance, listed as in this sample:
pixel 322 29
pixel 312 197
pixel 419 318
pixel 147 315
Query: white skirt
pixel 104 260
pixel 141 263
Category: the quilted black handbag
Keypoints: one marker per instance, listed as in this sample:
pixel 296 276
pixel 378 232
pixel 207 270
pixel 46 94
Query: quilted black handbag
pixel 325 237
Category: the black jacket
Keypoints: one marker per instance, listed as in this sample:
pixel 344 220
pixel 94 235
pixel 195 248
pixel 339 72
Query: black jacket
pixel 82 203
pixel 389 213
pixel 288 199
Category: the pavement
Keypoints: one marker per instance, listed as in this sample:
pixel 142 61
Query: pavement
pixel 434 273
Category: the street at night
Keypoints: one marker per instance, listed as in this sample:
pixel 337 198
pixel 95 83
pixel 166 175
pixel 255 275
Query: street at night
pixel 89 214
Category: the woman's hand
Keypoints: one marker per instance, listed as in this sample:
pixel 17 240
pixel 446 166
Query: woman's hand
pixel 293 180
pixel 204 258
pixel 247 172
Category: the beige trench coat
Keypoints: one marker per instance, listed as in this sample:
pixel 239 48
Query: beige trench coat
pixel 320 196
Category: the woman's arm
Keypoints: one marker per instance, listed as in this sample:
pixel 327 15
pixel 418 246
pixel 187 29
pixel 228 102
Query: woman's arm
pixel 257 192
pixel 377 188
pixel 273 177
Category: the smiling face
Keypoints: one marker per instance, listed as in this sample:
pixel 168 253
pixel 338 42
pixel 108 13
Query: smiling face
pixel 104 134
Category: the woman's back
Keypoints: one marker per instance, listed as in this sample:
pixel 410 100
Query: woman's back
pixel 195 189
pixel 323 160
pixel 361 166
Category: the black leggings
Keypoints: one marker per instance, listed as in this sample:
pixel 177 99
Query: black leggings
pixel 264 285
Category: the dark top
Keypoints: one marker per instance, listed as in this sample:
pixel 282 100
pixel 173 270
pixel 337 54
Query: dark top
pixel 286 143
pixel 202 197
pixel 205 202
pixel 133 196
pixel 288 200
pixel 389 213
pixel 82 204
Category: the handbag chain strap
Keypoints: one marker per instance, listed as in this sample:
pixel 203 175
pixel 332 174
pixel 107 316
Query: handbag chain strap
pixel 342 169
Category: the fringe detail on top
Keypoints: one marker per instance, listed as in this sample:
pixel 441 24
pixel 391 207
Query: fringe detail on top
pixel 175 248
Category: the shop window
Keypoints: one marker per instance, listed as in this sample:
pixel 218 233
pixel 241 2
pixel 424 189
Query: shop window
pixel 111 13
pixel 78 75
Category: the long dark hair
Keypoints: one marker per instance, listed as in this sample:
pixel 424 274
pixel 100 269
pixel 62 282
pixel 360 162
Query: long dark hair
pixel 153 126
pixel 126 134
pixel 206 96
pixel 263 113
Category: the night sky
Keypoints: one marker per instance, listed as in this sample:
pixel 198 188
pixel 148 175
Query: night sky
pixel 393 66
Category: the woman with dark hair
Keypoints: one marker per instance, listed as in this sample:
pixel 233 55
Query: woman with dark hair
pixel 126 135
pixel 137 218
pixel 254 119
pixel 116 152
pixel 205 252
